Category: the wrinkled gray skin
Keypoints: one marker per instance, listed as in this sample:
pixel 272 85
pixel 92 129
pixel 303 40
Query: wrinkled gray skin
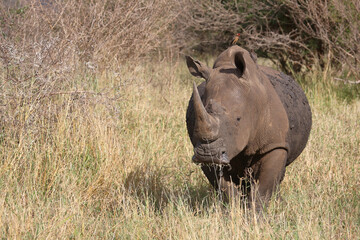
pixel 251 121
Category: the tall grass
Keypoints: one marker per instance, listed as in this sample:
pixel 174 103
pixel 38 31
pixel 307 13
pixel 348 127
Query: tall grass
pixel 117 164
pixel 93 142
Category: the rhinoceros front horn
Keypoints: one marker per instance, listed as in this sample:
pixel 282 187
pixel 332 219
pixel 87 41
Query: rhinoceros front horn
pixel 206 126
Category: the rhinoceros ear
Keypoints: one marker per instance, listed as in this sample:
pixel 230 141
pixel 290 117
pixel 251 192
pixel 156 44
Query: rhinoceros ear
pixel 239 62
pixel 197 68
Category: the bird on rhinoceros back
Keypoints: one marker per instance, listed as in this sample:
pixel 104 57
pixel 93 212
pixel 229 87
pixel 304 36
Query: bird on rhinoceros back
pixel 246 123
pixel 235 39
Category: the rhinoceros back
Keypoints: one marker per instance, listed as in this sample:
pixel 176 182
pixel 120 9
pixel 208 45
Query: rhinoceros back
pixel 297 108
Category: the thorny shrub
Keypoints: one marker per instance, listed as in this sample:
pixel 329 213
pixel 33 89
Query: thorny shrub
pixel 46 46
pixel 296 34
pixel 299 33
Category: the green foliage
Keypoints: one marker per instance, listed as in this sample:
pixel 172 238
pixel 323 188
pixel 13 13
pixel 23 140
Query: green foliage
pixel 19 11
pixel 346 92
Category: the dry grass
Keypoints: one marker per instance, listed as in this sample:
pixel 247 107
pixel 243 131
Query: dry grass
pixel 92 151
pixel 121 168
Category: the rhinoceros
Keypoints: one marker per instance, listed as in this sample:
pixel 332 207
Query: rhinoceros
pixel 246 123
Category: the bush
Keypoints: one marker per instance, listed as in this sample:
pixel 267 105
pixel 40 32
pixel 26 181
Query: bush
pixel 46 46
pixel 294 33
pixel 299 33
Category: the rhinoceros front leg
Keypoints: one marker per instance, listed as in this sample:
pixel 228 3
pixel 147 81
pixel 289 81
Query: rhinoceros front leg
pixel 221 180
pixel 268 174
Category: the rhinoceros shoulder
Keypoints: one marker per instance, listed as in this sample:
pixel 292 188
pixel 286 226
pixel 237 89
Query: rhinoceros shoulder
pixel 297 109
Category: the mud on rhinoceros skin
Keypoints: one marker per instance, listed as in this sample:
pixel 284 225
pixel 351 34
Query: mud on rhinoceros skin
pixel 252 119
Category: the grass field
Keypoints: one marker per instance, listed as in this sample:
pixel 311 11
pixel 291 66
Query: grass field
pixel 89 165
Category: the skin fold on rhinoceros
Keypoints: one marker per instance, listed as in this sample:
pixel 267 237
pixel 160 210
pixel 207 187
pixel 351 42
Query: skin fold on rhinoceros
pixel 248 120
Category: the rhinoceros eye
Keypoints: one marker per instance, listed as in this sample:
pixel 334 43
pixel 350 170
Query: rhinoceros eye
pixel 238 119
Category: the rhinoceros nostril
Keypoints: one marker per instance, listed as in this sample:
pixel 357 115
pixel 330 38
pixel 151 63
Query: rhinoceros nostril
pixel 224 157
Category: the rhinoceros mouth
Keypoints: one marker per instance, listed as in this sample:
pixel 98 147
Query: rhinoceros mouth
pixel 213 152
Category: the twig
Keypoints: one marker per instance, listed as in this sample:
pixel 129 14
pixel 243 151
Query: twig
pixel 347 81
pixel 102 94
pixel 75 92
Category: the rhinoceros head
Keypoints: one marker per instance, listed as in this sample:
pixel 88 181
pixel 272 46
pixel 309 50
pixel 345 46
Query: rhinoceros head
pixel 227 111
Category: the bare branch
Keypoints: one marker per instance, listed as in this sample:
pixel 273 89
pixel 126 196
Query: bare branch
pixel 347 81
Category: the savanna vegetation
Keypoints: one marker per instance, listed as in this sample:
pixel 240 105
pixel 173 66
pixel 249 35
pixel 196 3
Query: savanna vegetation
pixel 93 95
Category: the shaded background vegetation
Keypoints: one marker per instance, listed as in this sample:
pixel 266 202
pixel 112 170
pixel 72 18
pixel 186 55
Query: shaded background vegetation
pixel 48 41
pixel 92 117
pixel 295 33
